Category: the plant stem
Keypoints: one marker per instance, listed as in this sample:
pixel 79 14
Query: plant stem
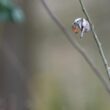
pixel 96 39
pixel 74 43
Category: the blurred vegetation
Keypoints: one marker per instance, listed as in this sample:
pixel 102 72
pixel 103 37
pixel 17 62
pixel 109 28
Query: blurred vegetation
pixel 10 12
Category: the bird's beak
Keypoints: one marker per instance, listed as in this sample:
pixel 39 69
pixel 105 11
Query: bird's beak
pixel 75 29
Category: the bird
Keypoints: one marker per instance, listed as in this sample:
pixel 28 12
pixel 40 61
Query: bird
pixel 80 25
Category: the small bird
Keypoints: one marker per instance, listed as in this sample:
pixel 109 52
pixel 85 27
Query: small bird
pixel 80 24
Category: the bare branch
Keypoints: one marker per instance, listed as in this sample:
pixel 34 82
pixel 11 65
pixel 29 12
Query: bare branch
pixel 103 80
pixel 96 39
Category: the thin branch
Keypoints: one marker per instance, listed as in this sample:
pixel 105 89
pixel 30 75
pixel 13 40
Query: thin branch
pixel 103 80
pixel 96 39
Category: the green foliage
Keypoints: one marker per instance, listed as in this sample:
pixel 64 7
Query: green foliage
pixel 10 12
pixel 7 3
pixel 57 100
pixel 17 15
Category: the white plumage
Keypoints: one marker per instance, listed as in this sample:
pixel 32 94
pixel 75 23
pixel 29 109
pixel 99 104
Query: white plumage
pixel 82 24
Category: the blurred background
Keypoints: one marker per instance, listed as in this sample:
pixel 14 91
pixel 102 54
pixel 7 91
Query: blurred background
pixel 39 68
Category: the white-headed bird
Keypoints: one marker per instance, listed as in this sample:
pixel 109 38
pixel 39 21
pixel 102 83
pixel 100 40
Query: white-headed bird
pixel 80 24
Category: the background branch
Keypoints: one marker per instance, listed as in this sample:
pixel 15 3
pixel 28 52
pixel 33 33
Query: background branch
pixel 103 80
pixel 96 39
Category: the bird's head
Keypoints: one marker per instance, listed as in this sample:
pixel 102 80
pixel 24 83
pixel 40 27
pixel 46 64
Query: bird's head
pixel 77 25
pixel 75 28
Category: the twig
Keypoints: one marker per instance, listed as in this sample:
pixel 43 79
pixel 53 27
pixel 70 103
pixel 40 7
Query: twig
pixel 103 80
pixel 96 39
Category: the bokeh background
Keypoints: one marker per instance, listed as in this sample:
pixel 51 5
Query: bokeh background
pixel 39 68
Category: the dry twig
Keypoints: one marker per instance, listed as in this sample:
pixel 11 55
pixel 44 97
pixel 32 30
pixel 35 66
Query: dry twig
pixel 96 39
pixel 103 80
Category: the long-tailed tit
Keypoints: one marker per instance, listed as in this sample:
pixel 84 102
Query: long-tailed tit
pixel 80 24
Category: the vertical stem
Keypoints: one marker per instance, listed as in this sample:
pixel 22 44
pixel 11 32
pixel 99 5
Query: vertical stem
pixel 96 39
pixel 103 80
